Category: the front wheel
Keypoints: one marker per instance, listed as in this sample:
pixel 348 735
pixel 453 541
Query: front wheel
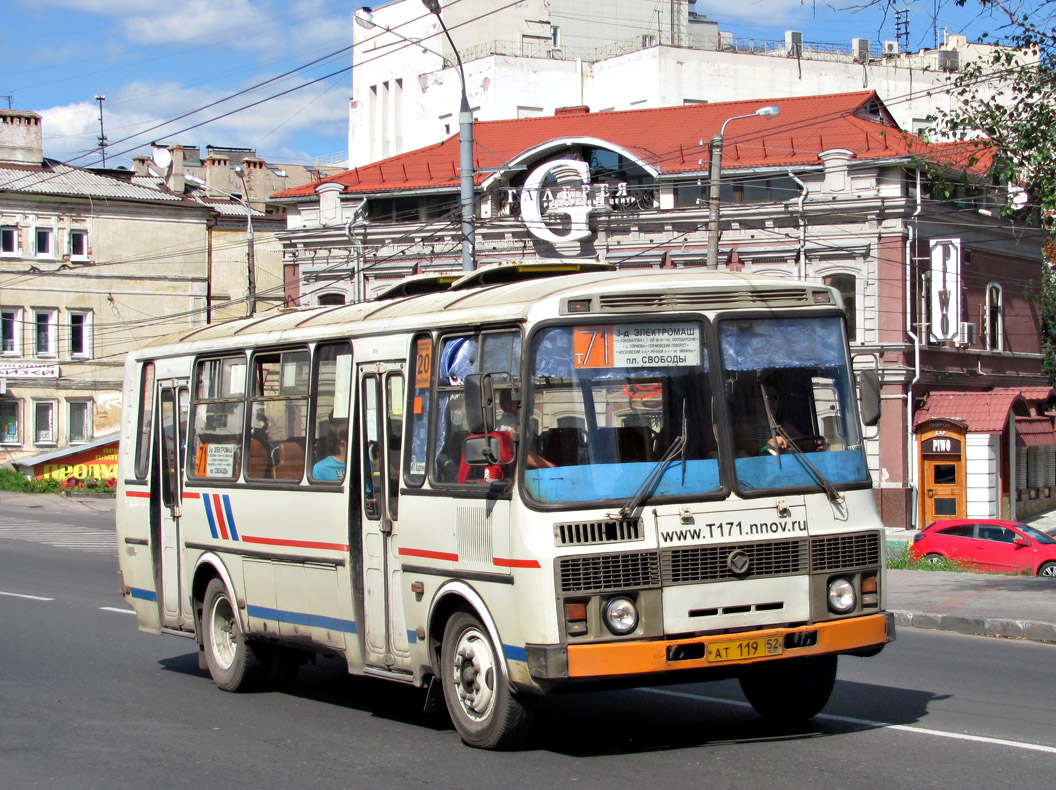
pixel 792 690
pixel 230 657
pixel 1048 569
pixel 485 712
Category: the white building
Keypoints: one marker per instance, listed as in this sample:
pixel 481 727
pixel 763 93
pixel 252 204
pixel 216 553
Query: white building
pixel 531 58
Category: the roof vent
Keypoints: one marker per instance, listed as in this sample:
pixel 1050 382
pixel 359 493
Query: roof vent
pixel 580 109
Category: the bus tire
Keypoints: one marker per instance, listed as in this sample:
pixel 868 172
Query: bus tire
pixel 232 662
pixel 789 691
pixel 485 712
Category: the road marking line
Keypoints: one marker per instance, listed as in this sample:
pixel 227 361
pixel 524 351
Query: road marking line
pixel 115 609
pixel 957 736
pixel 30 597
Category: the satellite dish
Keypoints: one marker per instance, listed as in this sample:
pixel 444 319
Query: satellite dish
pixel 161 157
pixel 1017 196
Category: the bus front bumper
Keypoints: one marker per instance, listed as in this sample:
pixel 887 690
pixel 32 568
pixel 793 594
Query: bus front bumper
pixel 609 660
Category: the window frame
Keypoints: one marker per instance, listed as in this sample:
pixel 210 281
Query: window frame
pixel 994 322
pixel 12 232
pixel 16 331
pixel 258 400
pixel 78 233
pixel 49 234
pixel 51 404
pixel 86 333
pixel 52 314
pixel 16 404
pixel 87 432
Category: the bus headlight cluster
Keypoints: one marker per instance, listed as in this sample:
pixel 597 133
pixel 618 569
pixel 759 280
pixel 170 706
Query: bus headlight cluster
pixel 842 598
pixel 620 615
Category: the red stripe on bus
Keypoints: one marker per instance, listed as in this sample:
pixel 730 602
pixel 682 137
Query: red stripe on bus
pixel 300 544
pixel 191 495
pixel 137 494
pixel 505 563
pixel 218 512
pixel 432 555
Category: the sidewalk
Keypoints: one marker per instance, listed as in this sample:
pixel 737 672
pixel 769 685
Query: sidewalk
pixel 1021 607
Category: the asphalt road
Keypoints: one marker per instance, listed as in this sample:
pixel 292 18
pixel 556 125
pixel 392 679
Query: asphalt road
pixel 87 701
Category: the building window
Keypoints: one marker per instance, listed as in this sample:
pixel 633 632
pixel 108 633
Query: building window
pixel 994 317
pixel 845 284
pixel 8 240
pixel 80 333
pixel 44 422
pixel 80 421
pixel 331 300
pixel 78 245
pixel 11 333
pixel 10 427
pixel 45 242
pixel 44 333
pixel 555 35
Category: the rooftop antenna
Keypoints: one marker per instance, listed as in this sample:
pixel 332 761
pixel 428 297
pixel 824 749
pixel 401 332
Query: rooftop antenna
pixel 902 27
pixel 102 135
pixel 9 98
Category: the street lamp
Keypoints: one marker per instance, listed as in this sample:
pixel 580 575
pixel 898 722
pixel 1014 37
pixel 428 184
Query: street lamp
pixel 465 130
pixel 251 273
pixel 714 173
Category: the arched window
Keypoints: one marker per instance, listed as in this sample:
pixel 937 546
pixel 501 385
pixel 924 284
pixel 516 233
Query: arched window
pixel 331 300
pixel 994 317
pixel 845 284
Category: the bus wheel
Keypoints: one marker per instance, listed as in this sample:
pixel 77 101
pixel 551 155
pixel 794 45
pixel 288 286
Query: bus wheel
pixel 229 656
pixel 485 712
pixel 789 691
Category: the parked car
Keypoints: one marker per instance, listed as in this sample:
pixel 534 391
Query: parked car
pixel 988 545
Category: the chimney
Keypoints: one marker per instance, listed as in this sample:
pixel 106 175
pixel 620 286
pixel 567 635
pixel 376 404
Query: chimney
pixel 580 109
pixel 20 138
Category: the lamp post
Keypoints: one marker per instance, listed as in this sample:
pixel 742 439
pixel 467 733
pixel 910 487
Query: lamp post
pixel 465 131
pixel 714 173
pixel 251 272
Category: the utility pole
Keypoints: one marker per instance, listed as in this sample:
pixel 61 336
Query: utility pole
pixel 102 135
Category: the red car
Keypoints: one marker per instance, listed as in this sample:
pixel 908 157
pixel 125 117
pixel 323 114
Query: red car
pixel 988 545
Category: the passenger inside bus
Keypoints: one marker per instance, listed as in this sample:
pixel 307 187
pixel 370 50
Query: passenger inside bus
pixel 509 421
pixel 332 467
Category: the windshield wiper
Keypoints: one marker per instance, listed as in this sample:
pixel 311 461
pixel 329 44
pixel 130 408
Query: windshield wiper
pixel 677 447
pixel 829 488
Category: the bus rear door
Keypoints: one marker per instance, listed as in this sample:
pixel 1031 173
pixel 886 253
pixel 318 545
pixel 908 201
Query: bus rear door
pixel 167 490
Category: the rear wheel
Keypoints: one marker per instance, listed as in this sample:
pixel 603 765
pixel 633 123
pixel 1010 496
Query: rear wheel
pixel 789 691
pixel 229 655
pixel 933 558
pixel 1048 569
pixel 485 712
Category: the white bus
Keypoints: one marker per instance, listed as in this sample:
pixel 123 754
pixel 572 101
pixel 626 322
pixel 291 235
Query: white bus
pixel 527 479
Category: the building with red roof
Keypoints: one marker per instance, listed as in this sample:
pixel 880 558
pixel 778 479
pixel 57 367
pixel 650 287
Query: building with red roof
pixel 939 286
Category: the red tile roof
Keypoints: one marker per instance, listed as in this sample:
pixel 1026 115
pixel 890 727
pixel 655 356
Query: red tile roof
pixel 667 138
pixel 984 412
pixel 1034 432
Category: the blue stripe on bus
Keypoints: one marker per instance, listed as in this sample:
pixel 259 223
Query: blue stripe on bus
pixel 412 637
pixel 515 653
pixel 230 518
pixel 301 618
pixel 209 516
pixel 143 595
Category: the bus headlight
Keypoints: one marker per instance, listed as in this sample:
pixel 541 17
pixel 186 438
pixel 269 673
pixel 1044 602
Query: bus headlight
pixel 620 615
pixel 841 596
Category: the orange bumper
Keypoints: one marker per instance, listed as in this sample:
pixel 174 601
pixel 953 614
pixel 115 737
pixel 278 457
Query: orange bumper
pixel 634 658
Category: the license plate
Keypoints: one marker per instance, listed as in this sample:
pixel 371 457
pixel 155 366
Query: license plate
pixel 743 649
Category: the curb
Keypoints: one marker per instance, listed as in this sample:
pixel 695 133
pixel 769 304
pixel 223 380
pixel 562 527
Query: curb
pixel 1031 630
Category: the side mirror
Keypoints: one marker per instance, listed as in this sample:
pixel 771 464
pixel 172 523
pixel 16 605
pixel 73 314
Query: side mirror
pixel 1022 543
pixel 483 451
pixel 480 403
pixel 869 393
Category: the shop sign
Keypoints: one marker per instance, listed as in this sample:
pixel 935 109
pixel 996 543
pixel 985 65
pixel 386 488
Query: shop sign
pixel 941 445
pixel 28 370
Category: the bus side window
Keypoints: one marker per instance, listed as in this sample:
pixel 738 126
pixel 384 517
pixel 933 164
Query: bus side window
pixel 218 423
pixel 280 415
pixel 331 388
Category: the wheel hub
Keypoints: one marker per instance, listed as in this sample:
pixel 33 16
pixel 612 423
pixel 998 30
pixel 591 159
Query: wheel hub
pixel 474 675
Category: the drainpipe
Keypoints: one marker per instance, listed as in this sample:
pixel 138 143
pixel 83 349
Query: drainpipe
pixel 911 441
pixel 802 254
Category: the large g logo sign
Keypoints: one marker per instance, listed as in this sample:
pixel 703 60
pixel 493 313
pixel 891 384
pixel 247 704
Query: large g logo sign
pixel 567 172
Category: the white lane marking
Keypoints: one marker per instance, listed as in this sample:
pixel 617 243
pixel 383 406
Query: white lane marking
pixel 64 536
pixel 957 736
pixel 115 609
pixel 29 597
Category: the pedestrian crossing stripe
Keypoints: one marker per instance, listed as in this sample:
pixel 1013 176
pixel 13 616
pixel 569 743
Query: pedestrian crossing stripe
pixel 63 536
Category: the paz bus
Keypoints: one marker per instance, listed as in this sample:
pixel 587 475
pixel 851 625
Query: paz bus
pixel 533 477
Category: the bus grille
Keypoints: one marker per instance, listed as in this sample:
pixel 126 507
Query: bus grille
pixel 700 300
pixel 600 572
pixel 585 533
pixel 845 551
pixel 709 563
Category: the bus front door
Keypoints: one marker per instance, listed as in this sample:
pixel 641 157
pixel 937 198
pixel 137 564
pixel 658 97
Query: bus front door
pixel 173 403
pixel 385 641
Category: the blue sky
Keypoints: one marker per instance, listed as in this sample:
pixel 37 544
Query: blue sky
pixel 156 61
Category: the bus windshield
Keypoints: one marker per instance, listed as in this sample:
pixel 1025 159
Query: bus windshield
pixel 607 403
pixel 790 400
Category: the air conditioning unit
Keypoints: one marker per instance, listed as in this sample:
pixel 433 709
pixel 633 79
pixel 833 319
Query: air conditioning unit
pixel 794 43
pixel 890 47
pixel 860 48
pixel 966 334
pixel 949 60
